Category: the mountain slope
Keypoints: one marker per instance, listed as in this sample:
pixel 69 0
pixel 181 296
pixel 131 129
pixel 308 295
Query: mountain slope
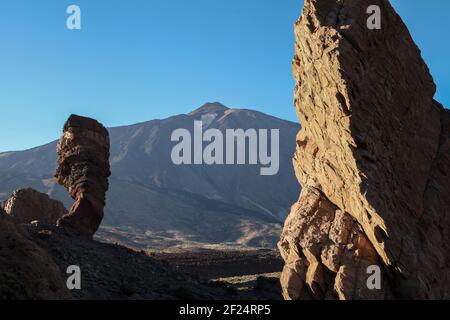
pixel 155 203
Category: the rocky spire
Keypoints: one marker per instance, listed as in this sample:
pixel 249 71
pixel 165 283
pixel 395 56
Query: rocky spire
pixel 83 168
pixel 372 157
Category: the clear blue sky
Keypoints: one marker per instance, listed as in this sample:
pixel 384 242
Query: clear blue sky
pixel 138 60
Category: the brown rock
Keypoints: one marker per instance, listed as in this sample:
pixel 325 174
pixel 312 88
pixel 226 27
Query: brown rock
pixel 26 270
pixel 326 252
pixel 374 153
pixel 83 168
pixel 27 205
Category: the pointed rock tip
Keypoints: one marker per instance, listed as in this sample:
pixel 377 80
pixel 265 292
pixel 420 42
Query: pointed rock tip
pixel 209 107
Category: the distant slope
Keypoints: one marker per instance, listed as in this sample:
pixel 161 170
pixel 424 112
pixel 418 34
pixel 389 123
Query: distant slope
pixel 154 203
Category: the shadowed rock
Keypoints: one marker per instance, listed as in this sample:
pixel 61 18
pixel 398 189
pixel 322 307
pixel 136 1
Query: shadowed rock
pixel 27 205
pixel 205 208
pixel 374 146
pixel 26 270
pixel 83 168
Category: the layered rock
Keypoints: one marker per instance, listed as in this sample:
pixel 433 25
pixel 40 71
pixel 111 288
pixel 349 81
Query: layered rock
pixel 83 168
pixel 372 157
pixel 27 205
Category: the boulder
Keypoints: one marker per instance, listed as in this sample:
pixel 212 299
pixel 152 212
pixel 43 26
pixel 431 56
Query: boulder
pixel 28 205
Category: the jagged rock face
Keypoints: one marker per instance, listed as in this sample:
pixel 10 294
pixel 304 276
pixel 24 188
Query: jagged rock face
pixel 26 270
pixel 27 205
pixel 83 168
pixel 326 252
pixel 375 146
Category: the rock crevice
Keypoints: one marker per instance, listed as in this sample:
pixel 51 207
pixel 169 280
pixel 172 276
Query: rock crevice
pixel 370 135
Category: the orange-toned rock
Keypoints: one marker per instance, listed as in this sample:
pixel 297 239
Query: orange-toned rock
pixel 83 168
pixel 374 147
pixel 326 252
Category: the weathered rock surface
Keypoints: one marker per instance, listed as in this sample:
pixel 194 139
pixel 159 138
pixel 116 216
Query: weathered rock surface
pixel 83 168
pixel 326 252
pixel 26 270
pixel 27 205
pixel 34 257
pixel 202 207
pixel 373 159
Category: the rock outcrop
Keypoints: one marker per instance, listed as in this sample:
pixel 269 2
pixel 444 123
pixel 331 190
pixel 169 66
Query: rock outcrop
pixel 326 252
pixel 373 160
pixel 202 207
pixel 34 258
pixel 83 168
pixel 34 261
pixel 27 205
pixel 26 270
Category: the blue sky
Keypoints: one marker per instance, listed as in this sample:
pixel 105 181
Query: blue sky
pixel 138 60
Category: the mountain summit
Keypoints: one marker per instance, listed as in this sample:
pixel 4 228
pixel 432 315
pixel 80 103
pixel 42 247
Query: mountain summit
pixel 154 203
pixel 209 107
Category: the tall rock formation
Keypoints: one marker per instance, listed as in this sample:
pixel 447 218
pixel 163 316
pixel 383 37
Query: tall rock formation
pixel 27 205
pixel 199 204
pixel 373 158
pixel 83 168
